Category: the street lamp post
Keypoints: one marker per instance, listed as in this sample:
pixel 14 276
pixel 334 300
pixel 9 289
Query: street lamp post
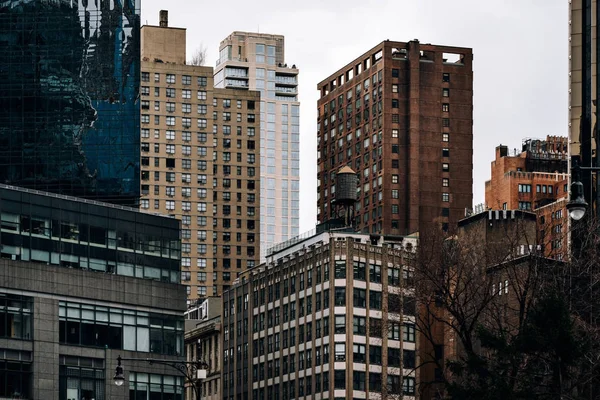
pixel 191 370
pixel 577 205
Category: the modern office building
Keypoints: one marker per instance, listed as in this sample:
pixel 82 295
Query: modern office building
pixel 256 61
pixel 534 179
pixel 82 283
pixel 200 150
pixel 401 116
pixel 330 316
pixel 203 344
pixel 69 108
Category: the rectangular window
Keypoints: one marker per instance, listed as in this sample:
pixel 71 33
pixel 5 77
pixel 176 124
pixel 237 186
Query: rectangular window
pixel 445 137
pixel 445 167
pixel 445 92
pixel 16 317
pixel 445 77
pixel 445 107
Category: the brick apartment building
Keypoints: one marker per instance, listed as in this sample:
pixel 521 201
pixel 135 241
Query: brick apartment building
pixel 401 116
pixel 200 161
pixel 535 179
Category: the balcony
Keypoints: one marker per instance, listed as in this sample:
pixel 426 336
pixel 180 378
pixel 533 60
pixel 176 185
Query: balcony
pixel 238 59
pixel 286 80
pixel 236 83
pixel 286 91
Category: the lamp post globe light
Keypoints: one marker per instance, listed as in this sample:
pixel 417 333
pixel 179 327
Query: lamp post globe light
pixel 119 378
pixel 577 205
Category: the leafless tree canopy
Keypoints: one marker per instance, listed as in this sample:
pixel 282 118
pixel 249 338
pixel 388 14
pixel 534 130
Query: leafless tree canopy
pixel 198 56
pixel 498 321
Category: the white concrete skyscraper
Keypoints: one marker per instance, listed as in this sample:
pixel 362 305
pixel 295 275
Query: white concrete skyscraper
pixel 256 61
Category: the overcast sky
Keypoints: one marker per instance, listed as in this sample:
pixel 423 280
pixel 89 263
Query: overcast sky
pixel 520 63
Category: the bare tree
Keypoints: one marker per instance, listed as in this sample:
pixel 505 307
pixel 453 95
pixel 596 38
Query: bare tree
pixel 493 316
pixel 198 56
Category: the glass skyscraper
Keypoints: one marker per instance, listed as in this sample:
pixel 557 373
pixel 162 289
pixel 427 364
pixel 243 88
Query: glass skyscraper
pixel 69 87
pixel 256 61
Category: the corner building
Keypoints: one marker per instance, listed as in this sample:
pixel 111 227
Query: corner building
pixel 81 283
pixel 200 161
pixel 401 115
pixel 328 317
pixel 256 61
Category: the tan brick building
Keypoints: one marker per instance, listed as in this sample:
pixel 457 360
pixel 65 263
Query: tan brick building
pixel 535 179
pixel 401 116
pixel 199 161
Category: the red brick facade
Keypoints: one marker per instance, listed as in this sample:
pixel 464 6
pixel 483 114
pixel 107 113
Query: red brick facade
pixel 534 180
pixel 401 116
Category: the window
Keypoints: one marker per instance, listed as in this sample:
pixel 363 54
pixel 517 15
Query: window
pixel 16 317
pixel 523 188
pixel 525 205
pixel 395 73
pixel 445 92
pixel 186 94
pixel 151 386
pixel 374 273
pixel 202 81
pixel 374 300
pixel 359 380
pixel 445 137
pixel 340 324
pixel 445 77
pixel 85 325
pixel 360 298
pixel 80 378
pixel 170 92
pixel 446 122
pixel 445 197
pixel 186 80
pixel 395 103
pixel 375 354
pixel 445 153
pixel 445 182
pixel 374 382
pixel 408 386
pixel 445 107
pixel 408 333
pixel 445 167
pixel 394 88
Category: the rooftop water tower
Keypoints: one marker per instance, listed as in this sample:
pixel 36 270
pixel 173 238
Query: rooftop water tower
pixel 346 182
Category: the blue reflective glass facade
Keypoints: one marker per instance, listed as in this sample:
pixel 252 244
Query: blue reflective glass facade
pixel 69 106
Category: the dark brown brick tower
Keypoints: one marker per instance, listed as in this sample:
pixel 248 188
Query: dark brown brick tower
pixel 401 116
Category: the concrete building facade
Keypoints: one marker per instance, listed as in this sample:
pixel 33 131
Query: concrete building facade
pixel 256 61
pixel 203 343
pixel 330 316
pixel 401 116
pixel 200 161
pixel 82 283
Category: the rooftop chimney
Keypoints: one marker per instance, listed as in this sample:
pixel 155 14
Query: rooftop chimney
pixel 164 18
